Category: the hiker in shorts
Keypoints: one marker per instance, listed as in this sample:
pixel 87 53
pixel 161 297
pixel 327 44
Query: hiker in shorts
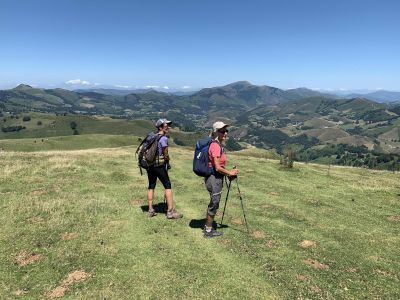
pixel 160 170
pixel 214 182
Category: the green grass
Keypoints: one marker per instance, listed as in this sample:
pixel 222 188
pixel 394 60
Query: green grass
pixel 71 142
pixel 98 196
pixel 53 125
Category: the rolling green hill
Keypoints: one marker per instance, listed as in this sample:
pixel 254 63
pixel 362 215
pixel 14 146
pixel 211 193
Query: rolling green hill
pixel 74 224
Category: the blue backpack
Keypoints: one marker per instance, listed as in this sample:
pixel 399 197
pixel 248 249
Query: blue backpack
pixel 200 160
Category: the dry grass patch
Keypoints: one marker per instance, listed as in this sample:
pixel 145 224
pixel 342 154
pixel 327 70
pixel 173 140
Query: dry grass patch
pixel 36 220
pixel 315 264
pixel 136 201
pixel 69 236
pixel 306 244
pixel 237 221
pixel 38 192
pixel 259 234
pixel 302 277
pixel 270 244
pixel 20 292
pixel 394 218
pixel 26 258
pixel 71 278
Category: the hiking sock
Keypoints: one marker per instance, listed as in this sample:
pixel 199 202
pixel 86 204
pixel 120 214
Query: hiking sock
pixel 208 229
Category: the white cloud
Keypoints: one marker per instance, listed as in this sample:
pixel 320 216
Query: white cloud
pixel 96 83
pixel 166 87
pixel 379 88
pixel 152 86
pixel 342 89
pixel 315 89
pixel 78 81
pixel 186 87
pixel 123 86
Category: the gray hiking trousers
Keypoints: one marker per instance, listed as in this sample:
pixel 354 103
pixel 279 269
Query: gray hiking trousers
pixel 214 184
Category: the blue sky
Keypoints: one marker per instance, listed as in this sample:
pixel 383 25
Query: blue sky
pixel 188 43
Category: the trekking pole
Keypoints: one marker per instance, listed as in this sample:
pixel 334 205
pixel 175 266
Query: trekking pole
pixel 226 199
pixel 241 202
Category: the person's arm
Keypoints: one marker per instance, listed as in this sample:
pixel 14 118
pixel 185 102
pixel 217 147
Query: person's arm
pixel 222 170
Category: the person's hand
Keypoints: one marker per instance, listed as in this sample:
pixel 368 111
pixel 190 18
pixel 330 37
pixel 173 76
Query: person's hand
pixel 168 166
pixel 233 172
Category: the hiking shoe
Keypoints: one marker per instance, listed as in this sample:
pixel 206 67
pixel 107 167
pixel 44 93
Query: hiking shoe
pixel 173 214
pixel 152 213
pixel 212 233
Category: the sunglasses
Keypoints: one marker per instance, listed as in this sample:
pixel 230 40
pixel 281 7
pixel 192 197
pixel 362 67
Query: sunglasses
pixel 223 131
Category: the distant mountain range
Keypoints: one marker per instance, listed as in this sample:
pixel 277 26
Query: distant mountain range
pixel 379 96
pixel 382 96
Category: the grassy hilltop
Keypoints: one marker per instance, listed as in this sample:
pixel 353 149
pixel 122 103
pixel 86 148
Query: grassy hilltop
pixel 74 224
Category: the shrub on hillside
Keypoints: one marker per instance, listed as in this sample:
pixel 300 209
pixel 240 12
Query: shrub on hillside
pixel 288 157
pixel 232 145
pixel 39 123
pixel 73 125
pixel 26 118
pixel 76 132
pixel 179 142
pixel 13 128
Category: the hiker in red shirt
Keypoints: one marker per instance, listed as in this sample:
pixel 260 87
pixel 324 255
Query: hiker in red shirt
pixel 214 182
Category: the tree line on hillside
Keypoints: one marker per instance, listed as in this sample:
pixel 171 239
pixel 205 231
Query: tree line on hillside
pixel 349 155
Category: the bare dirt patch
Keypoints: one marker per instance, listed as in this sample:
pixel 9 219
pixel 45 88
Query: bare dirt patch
pixel 315 264
pixel 36 219
pixel 137 201
pixel 237 221
pixel 353 270
pixel 258 234
pixel 267 206
pixel 306 244
pixel 270 244
pixel 38 192
pixel 226 242
pixel 315 288
pixel 302 277
pixel 394 218
pixel 71 278
pixel 20 292
pixel 69 236
pixel 26 258
pixel 383 273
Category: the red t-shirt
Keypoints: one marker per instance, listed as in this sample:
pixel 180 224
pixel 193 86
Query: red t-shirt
pixel 215 151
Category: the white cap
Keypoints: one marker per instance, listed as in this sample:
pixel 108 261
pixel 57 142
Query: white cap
pixel 219 125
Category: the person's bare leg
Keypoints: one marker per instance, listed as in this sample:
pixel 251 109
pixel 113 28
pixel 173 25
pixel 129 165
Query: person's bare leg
pixel 150 194
pixel 168 196
pixel 210 220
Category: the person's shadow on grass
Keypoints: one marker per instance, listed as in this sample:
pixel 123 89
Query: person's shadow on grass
pixel 160 208
pixel 199 224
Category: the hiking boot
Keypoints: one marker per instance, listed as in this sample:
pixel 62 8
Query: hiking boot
pixel 173 214
pixel 212 233
pixel 152 213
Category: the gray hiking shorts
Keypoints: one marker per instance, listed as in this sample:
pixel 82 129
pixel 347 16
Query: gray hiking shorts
pixel 214 186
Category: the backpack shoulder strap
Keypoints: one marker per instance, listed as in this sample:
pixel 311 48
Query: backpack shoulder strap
pixel 220 146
